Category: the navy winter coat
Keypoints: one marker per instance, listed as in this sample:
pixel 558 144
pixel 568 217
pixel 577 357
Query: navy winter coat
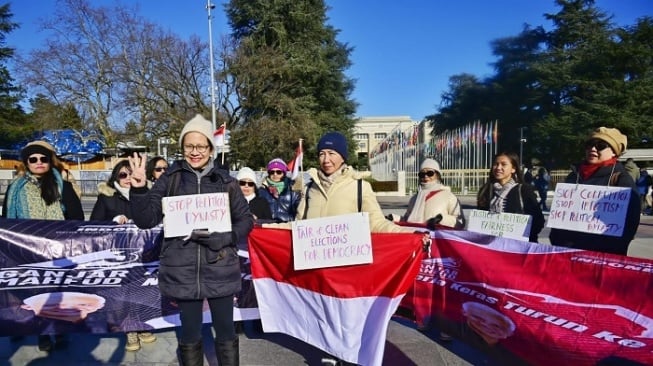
pixel 196 268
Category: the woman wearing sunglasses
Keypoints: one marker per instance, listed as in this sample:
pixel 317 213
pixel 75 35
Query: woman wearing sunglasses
pixel 506 191
pixel 42 194
pixel 434 204
pixel 112 204
pixel 278 190
pixel 155 168
pixel 601 168
pixel 257 204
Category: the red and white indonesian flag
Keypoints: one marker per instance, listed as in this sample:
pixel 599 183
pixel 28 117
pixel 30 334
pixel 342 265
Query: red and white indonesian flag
pixel 342 310
pixel 295 165
pixel 218 136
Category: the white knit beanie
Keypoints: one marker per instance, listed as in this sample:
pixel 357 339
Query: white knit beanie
pixel 430 164
pixel 247 173
pixel 198 124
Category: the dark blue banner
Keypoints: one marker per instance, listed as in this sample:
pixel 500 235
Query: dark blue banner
pixel 75 276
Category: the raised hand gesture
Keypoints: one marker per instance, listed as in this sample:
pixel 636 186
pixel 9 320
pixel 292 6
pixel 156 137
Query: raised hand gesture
pixel 137 165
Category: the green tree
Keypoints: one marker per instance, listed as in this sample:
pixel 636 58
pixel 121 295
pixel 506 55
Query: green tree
pixel 289 71
pixel 12 121
pixel 49 116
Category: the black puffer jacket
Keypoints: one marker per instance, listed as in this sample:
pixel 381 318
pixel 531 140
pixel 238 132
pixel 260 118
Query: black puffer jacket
pixel 597 242
pixel 202 268
pixel 110 203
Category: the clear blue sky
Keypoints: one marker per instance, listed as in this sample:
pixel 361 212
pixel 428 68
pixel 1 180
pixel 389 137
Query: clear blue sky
pixel 404 51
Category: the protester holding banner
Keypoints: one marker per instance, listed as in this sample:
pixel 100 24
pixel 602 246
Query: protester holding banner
pixel 506 192
pixel 112 204
pixel 601 168
pixel 280 191
pixel 434 204
pixel 155 168
pixel 204 264
pixel 42 193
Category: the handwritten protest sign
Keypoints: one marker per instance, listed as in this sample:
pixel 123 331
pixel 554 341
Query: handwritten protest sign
pixel 513 226
pixel 332 241
pixel 183 214
pixel 590 209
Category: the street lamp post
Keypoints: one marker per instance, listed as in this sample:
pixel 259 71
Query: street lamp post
pixel 521 145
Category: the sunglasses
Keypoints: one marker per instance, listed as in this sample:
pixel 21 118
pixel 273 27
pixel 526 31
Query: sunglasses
pixel 35 159
pixel 160 169
pixel 598 144
pixel 273 172
pixel 249 184
pixel 429 173
pixel 123 175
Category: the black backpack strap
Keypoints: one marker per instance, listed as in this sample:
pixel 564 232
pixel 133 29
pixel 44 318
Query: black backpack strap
pixel 174 184
pixel 308 189
pixel 360 195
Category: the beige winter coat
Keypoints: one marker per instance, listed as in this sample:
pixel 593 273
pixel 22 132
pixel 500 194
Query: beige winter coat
pixel 342 198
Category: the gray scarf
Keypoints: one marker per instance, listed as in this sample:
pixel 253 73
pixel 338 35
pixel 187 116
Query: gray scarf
pixel 499 194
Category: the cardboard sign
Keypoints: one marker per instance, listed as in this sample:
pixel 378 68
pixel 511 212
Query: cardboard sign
pixel 183 214
pixel 332 241
pixel 509 225
pixel 590 209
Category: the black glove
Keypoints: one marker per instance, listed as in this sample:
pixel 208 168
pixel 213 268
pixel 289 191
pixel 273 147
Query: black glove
pixel 389 217
pixel 214 241
pixel 433 222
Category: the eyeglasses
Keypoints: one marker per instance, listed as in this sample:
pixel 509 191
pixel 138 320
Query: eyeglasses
pixel 200 148
pixel 34 159
pixel 428 173
pixel 598 144
pixel 160 169
pixel 245 183
pixel 273 172
pixel 123 175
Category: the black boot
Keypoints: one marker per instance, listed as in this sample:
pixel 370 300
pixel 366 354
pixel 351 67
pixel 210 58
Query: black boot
pixel 191 354
pixel 227 352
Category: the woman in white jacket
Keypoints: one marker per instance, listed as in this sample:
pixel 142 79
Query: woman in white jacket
pixel 434 204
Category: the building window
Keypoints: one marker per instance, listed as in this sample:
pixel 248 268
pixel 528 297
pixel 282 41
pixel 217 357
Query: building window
pixel 361 136
pixel 380 135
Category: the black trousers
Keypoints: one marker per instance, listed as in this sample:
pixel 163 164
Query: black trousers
pixel 222 319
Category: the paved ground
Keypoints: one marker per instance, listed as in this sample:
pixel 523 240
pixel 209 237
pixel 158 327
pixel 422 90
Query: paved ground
pixel 405 345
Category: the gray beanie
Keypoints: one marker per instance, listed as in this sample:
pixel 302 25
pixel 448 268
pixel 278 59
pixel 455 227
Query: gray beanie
pixel 198 124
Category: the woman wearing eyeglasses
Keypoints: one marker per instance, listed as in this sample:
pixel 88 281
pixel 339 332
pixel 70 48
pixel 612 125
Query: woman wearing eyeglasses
pixel 155 168
pixel 506 191
pixel 278 190
pixel 601 168
pixel 204 265
pixel 434 204
pixel 42 194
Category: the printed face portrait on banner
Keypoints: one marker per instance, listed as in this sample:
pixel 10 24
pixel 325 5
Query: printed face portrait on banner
pixel 69 306
pixel 488 323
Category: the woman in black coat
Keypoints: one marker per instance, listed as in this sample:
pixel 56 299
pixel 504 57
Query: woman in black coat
pixel 601 168
pixel 505 191
pixel 113 205
pixel 202 265
pixel 113 196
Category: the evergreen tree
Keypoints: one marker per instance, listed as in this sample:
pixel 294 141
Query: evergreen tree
pixel 289 69
pixel 12 122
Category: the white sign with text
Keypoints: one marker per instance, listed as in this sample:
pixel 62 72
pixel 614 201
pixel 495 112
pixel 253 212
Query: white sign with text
pixel 507 225
pixel 183 214
pixel 590 209
pixel 332 241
